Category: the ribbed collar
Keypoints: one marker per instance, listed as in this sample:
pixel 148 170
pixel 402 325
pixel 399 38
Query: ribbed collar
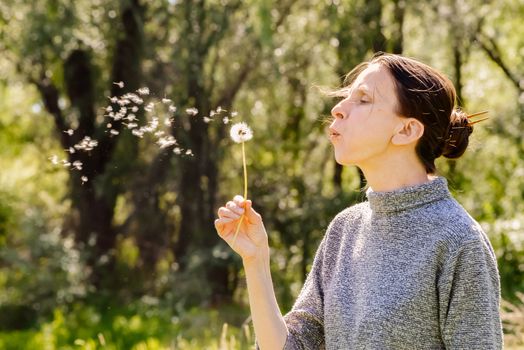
pixel 408 197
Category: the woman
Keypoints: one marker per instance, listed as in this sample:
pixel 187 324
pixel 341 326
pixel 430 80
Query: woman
pixel 406 269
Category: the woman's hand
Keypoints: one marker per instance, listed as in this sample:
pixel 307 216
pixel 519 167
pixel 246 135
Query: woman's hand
pixel 251 241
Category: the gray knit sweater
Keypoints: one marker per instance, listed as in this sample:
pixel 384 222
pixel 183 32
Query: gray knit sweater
pixel 407 269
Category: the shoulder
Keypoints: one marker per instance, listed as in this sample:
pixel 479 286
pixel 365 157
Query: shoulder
pixel 349 215
pixel 457 227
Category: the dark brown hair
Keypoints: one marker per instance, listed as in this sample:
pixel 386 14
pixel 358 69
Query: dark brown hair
pixel 427 95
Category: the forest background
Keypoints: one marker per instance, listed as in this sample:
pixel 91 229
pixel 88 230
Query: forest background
pixel 108 242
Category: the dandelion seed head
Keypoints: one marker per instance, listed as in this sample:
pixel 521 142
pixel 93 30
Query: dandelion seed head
pixel 240 132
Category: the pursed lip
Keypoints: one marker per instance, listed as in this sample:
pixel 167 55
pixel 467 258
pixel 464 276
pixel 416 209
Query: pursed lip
pixel 333 135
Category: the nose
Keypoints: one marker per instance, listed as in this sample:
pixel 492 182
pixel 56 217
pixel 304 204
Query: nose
pixel 337 111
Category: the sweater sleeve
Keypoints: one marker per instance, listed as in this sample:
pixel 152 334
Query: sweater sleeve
pixel 469 298
pixel 305 321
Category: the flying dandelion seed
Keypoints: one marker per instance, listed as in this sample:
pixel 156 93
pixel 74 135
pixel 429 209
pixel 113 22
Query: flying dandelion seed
pixel 168 121
pixel 109 109
pixel 70 132
pixel 212 113
pixel 220 109
pixel 132 125
pixel 159 133
pixel 54 159
pixel 172 109
pixel 192 111
pixel 70 150
pixel 77 165
pixel 120 84
pixel 168 141
pixel 207 120
pixel 234 114
pixel 84 179
pixel 113 99
pixel 114 132
pixel 109 125
pixel 189 153
pixel 143 91
pixel 177 150
pixel 138 132
pixel 65 163
pixel 134 109
pixel 166 100
pixel 225 120
pixel 150 106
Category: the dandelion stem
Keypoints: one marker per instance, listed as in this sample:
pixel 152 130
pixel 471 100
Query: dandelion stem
pixel 245 192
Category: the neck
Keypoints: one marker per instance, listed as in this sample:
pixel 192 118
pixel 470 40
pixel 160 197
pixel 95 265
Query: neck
pixel 403 171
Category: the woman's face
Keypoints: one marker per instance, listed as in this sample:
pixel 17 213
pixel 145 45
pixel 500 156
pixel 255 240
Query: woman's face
pixel 365 120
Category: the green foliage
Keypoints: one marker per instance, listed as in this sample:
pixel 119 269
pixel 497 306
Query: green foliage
pixel 136 327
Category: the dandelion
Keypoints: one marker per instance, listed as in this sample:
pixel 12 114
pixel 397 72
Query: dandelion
pixel 192 111
pixel 240 133
pixel 143 91
pixel 120 84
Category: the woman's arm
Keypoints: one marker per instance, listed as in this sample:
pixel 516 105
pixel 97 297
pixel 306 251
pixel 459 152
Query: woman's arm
pixel 251 243
pixel 469 297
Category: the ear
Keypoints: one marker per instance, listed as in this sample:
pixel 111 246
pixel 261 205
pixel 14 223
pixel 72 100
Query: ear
pixel 407 131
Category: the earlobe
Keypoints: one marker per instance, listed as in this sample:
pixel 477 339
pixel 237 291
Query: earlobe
pixel 407 132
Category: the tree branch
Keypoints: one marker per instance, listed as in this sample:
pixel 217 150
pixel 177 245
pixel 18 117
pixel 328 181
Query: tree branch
pixel 490 47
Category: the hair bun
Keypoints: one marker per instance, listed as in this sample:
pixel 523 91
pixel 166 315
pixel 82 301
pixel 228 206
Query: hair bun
pixel 457 137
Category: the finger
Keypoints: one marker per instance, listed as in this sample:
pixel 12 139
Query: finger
pixel 239 200
pixel 235 208
pixel 226 213
pixel 222 227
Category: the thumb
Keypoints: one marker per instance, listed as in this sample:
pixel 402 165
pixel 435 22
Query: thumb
pixel 251 214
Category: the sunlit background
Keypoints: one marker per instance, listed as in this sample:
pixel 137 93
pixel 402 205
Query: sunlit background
pixel 118 250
